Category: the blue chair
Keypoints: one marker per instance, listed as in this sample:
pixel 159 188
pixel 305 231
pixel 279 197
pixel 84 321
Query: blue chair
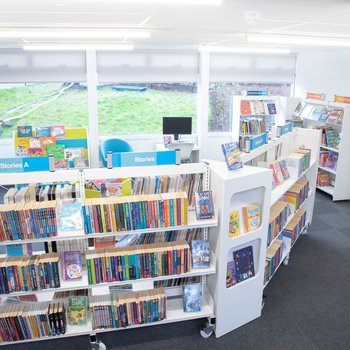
pixel 113 145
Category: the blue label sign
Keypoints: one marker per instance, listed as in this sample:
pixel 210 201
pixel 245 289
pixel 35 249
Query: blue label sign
pixel 284 129
pixel 26 164
pixel 258 141
pixel 258 93
pixel 125 159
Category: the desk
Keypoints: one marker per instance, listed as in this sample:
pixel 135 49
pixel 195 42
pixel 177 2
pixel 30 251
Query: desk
pixel 194 158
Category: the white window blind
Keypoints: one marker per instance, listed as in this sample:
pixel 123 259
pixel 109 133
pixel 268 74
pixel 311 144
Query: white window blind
pixel 147 66
pixel 18 66
pixel 225 67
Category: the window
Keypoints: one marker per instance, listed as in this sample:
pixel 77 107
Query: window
pixel 42 104
pixel 220 100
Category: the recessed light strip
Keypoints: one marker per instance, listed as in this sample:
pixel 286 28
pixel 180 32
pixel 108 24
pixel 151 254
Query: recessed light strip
pixel 176 2
pixel 298 40
pixel 233 49
pixel 77 47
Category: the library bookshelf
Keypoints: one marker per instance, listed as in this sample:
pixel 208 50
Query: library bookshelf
pixel 174 308
pixel 339 187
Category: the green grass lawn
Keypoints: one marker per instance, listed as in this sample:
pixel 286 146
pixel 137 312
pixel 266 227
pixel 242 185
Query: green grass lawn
pixel 120 112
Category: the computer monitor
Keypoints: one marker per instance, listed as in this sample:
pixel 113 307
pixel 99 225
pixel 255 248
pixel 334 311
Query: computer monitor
pixel 176 126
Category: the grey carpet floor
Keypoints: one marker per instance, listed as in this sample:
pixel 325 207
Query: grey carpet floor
pixel 307 305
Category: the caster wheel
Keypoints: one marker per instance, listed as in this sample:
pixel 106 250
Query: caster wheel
pixel 206 331
pixel 285 261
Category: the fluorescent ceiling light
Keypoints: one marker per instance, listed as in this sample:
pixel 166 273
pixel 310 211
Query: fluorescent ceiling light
pixel 176 2
pixel 298 40
pixel 243 49
pixel 68 34
pixel 77 47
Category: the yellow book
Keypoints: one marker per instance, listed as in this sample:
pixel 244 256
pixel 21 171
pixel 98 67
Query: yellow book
pixel 103 217
pixel 234 224
pixel 252 217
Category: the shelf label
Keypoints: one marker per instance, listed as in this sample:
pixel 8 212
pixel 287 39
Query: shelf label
pixel 258 93
pixel 315 96
pixel 342 99
pixel 284 129
pixel 23 165
pixel 258 141
pixel 125 159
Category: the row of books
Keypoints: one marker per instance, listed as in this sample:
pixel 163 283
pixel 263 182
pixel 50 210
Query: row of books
pixel 295 226
pixel 135 212
pixel 274 255
pixel 258 107
pixel 297 194
pixel 329 159
pixel 41 193
pixel 56 131
pixel 31 321
pixel 251 220
pixel 279 214
pixel 280 171
pixel 131 263
pixel 300 160
pixel 189 183
pixel 119 310
pixel 252 126
pixel 29 273
pixel 241 267
pixel 329 115
pixel 28 220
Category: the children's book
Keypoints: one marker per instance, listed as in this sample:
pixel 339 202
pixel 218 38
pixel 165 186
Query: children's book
pixel 46 141
pixel 332 160
pixel 251 217
pixel 259 107
pixel 77 310
pixel 35 152
pixel 24 131
pixel 271 107
pixel 70 215
pixel 81 163
pixel 192 297
pixel 316 113
pixel 244 263
pixel 332 138
pixel 61 164
pixel 231 274
pixel 234 225
pixel 204 205
pixel 111 189
pixel 200 254
pixel 71 153
pixel 245 107
pixel 277 172
pixel 56 150
pixel 325 114
pixel 284 169
pixel 58 131
pixel 232 155
pixel 43 131
pixel 71 266
pixel 34 142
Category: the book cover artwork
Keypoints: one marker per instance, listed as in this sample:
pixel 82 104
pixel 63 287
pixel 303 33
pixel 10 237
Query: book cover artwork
pixel 204 205
pixel 200 254
pixel 71 265
pixel 232 155
pixel 192 298
pixel 244 263
pixel 70 215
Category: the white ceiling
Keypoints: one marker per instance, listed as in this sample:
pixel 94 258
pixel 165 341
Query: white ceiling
pixel 182 26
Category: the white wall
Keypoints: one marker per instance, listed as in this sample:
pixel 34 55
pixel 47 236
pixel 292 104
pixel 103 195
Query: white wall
pixel 327 73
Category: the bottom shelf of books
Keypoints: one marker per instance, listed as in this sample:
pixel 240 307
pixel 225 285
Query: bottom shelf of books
pixel 118 310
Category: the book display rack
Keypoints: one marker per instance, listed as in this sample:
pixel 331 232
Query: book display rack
pixel 334 121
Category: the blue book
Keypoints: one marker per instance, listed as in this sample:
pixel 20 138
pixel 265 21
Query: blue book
pixel 42 131
pixel 244 263
pixel 70 215
pixel 232 155
pixel 24 131
pixel 200 254
pixel 192 298
pixel 204 205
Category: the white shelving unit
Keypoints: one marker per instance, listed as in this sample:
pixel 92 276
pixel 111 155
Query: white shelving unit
pixel 175 311
pixel 340 187
pixel 241 303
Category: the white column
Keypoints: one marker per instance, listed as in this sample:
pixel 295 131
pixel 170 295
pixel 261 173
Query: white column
pixel 203 103
pixel 91 81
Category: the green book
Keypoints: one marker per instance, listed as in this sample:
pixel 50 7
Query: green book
pixel 77 310
pixel 56 150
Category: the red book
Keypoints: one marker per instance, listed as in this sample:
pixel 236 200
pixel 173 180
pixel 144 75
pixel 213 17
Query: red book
pixel 245 107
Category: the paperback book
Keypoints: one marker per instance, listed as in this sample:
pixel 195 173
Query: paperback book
pixel 271 106
pixel 71 265
pixel 24 131
pixel 192 298
pixel 244 263
pixel 42 131
pixel 232 155
pixel 204 205
pixel 58 131
pixel 70 215
pixel 231 274
pixel 234 224
pixel 200 254
pixel 77 310
pixel 245 107
pixel 56 150
pixel 252 217
pixel 35 152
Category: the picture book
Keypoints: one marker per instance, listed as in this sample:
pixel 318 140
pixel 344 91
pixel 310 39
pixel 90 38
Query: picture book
pixel 316 113
pixel 42 131
pixel 332 138
pixel 81 163
pixel 71 265
pixel 271 107
pixel 231 274
pixel 70 215
pixel 46 141
pixel 234 225
pixel 56 150
pixel 277 172
pixel 244 263
pixel 35 152
pixel 332 160
pixel 284 169
pixel 251 217
pixel 204 205
pixel 34 142
pixel 245 107
pixel 71 153
pixel 200 254
pixel 24 131
pixel 337 113
pixel 324 115
pixel 111 189
pixel 232 155
pixel 192 297
pixel 77 310
pixel 58 131
pixel 61 164
pixel 259 107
